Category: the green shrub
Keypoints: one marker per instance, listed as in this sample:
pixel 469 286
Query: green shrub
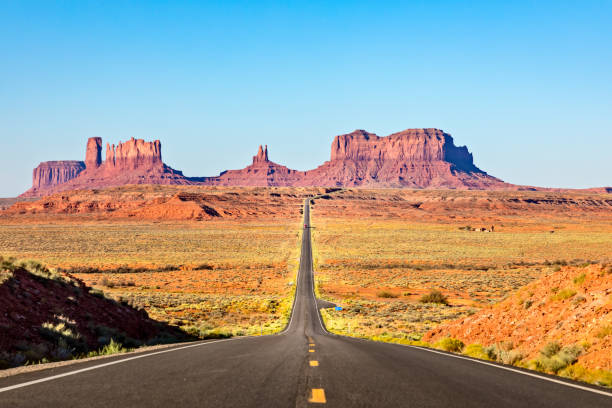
pixel 65 336
pixel 110 348
pixel 386 294
pixel 550 349
pixel 204 267
pixel 107 282
pixel 97 293
pixel 563 294
pixel 107 335
pixel 504 353
pixel 434 296
pixel 476 351
pixel 205 332
pixel 554 358
pixel 450 344
pixel 579 373
pixel 579 280
pixel 217 334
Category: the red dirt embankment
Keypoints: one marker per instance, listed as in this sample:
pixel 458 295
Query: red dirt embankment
pixel 55 316
pixel 572 307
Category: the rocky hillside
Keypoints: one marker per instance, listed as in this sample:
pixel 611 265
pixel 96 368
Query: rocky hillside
pixel 52 316
pixel 570 309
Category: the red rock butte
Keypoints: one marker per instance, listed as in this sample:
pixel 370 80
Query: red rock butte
pixel 413 158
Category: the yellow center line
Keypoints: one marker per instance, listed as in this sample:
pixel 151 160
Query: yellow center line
pixel 314 363
pixel 318 396
pixel 311 344
pixel 311 351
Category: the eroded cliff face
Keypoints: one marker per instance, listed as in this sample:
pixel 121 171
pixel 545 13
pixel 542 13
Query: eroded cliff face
pixel 52 173
pixel 411 145
pixel 133 155
pixel 49 174
pixel 413 158
pixel 133 162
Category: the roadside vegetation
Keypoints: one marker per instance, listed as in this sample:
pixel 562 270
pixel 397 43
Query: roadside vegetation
pixel 399 273
pixel 51 316
pixel 216 280
pixel 560 357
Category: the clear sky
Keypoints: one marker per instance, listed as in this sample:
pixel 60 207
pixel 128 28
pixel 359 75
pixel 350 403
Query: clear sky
pixel 527 86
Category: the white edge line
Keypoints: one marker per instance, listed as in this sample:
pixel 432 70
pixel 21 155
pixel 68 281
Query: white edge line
pixel 514 370
pixel 580 387
pixel 475 360
pixel 123 360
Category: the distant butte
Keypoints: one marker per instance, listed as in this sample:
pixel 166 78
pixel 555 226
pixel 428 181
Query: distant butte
pixel 131 162
pixel 413 158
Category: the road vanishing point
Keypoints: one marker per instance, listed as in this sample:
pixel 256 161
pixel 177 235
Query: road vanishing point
pixel 302 366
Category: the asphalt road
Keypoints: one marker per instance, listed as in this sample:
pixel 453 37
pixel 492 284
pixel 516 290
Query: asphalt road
pixel 303 366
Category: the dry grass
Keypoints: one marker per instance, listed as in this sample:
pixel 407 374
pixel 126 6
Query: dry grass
pixel 214 278
pixel 359 258
pixel 380 257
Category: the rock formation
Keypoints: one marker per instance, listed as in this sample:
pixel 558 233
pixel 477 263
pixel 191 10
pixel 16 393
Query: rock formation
pixel 131 162
pixel 134 154
pixel 413 158
pixel 93 155
pixel 262 155
pixel 52 173
pixel 262 172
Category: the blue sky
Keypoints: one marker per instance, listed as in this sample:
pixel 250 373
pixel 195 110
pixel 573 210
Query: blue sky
pixel 527 86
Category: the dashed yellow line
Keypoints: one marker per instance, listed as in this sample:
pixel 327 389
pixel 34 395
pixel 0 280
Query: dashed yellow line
pixel 318 396
pixel 311 351
pixel 314 363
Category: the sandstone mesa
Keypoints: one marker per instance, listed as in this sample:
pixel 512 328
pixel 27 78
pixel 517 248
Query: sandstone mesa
pixel 413 158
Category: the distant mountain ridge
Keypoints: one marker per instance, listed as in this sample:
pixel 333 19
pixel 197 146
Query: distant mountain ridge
pixel 413 158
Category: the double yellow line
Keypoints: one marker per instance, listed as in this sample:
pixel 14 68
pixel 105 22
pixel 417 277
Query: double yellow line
pixel 317 395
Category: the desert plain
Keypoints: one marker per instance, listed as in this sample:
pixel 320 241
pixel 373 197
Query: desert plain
pixel 403 264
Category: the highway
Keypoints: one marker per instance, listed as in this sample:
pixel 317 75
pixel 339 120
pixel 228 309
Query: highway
pixel 302 366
